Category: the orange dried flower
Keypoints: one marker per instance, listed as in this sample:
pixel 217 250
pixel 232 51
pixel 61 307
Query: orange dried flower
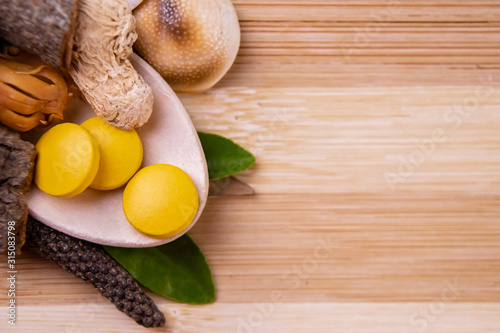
pixel 30 95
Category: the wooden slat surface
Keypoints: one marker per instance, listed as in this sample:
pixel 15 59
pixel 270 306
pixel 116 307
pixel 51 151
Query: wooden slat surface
pixel 361 223
pixel 373 11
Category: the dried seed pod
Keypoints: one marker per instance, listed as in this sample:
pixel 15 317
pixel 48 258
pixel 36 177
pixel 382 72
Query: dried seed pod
pixel 30 95
pixel 91 263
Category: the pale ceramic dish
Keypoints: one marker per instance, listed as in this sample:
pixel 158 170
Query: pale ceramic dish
pixel 134 3
pixel 97 216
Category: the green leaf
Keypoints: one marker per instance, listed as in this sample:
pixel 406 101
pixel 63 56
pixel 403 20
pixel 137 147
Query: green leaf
pixel 177 270
pixel 224 157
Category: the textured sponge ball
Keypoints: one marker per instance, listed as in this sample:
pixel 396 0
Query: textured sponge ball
pixel 192 44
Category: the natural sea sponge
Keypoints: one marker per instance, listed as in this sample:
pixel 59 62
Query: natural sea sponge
pixel 191 43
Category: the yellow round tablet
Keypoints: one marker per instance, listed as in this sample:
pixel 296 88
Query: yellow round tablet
pixel 121 153
pixel 161 200
pixel 67 162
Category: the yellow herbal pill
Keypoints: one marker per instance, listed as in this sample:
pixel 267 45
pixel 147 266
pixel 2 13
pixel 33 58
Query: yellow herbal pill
pixel 121 153
pixel 67 162
pixel 161 200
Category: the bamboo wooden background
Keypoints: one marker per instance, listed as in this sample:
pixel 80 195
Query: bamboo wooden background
pixel 376 126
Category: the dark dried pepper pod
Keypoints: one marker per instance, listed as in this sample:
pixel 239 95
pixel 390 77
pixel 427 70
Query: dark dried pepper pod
pixel 91 263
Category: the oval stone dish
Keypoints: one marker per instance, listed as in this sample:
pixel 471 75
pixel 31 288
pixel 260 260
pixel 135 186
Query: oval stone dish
pixel 97 216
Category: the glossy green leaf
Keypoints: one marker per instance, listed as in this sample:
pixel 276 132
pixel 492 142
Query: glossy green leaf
pixel 224 157
pixel 177 270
